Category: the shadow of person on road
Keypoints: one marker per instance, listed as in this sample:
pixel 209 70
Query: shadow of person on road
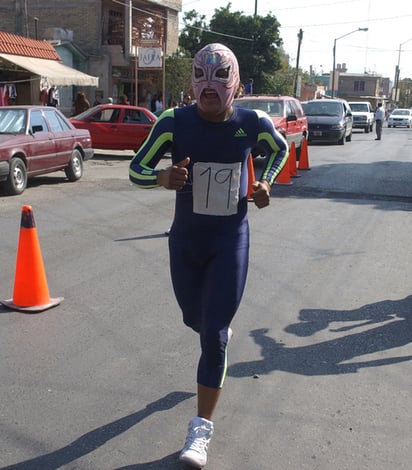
pixel 170 462
pixel 312 321
pixel 329 357
pixel 98 437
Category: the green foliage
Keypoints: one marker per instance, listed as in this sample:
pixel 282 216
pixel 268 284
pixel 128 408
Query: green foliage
pixel 282 81
pixel 191 36
pixel 255 40
pixel 178 75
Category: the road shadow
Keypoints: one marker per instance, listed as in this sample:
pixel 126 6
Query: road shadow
pixel 36 181
pixel 143 237
pixel 112 156
pixel 98 437
pixel 330 357
pixel 170 462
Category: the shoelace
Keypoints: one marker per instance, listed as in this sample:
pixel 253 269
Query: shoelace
pixel 198 438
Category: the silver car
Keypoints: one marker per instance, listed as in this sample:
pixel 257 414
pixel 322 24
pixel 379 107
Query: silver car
pixel 400 117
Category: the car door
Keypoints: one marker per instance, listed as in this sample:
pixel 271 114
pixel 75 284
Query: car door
pixel 348 118
pixel 293 133
pixel 135 128
pixel 301 122
pixel 103 127
pixel 41 153
pixel 63 137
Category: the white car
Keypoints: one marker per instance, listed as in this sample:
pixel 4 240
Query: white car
pixel 400 117
pixel 363 116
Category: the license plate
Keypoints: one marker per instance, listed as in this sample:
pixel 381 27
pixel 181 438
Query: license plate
pixel 317 133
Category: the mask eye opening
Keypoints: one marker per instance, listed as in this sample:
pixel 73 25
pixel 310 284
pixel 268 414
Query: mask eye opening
pixel 223 73
pixel 198 72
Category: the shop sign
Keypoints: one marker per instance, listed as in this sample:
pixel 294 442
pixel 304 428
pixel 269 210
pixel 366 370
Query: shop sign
pixel 150 57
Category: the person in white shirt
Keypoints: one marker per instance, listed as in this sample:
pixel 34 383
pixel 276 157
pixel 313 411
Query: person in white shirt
pixel 379 118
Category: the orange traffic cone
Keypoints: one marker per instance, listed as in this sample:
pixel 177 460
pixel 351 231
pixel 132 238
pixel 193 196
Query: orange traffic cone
pixel 284 175
pixel 304 159
pixel 251 177
pixel 30 293
pixel 292 161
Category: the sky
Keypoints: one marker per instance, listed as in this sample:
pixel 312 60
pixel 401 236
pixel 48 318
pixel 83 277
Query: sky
pixel 387 43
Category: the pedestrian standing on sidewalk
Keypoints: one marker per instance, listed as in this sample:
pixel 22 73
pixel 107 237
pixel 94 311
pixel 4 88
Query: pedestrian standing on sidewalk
pixel 210 143
pixel 379 118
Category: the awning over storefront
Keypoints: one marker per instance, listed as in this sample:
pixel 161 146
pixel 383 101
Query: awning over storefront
pixel 56 73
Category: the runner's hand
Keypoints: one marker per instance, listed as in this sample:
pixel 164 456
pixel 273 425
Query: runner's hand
pixel 175 176
pixel 261 194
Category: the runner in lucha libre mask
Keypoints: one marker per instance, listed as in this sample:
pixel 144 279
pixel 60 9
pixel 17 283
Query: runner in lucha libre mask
pixel 215 70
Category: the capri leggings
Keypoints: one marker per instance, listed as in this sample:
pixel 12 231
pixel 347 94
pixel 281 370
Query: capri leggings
pixel 209 273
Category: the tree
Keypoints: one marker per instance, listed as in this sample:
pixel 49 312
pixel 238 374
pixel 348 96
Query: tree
pixel 178 68
pixel 191 36
pixel 254 39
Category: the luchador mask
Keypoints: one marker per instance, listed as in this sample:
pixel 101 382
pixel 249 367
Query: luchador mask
pixel 216 67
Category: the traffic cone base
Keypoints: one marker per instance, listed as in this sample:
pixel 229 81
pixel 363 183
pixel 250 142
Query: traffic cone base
pixel 35 308
pixel 30 293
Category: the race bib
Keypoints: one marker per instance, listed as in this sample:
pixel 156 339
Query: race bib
pixel 216 188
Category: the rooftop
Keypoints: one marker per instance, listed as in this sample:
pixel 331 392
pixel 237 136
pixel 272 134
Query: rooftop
pixel 22 46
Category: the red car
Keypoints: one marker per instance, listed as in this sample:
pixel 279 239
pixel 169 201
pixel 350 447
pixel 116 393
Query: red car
pixel 115 126
pixel 35 140
pixel 286 113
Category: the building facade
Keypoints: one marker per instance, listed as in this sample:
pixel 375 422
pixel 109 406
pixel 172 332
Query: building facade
pixel 354 87
pixel 30 68
pixel 123 43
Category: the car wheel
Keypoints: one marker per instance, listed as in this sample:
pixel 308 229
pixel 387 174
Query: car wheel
pixel 17 180
pixel 371 128
pixel 341 141
pixel 367 129
pixel 74 171
pixel 349 137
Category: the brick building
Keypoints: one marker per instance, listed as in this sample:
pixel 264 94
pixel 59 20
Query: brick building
pixel 123 43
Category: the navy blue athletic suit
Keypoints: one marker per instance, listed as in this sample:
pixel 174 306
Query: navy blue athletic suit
pixel 209 239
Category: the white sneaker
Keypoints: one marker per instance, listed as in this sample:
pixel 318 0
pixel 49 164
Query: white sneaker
pixel 197 441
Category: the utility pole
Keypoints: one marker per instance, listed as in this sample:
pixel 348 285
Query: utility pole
pixel 295 86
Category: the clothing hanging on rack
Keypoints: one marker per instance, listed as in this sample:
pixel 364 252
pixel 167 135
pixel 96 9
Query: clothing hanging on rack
pixel 7 92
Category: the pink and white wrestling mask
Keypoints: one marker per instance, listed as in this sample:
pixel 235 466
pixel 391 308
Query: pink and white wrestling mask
pixel 216 67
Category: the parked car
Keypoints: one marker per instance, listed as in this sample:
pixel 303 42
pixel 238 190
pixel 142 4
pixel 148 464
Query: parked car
pixel 286 113
pixel 400 117
pixel 363 115
pixel 329 120
pixel 35 140
pixel 115 126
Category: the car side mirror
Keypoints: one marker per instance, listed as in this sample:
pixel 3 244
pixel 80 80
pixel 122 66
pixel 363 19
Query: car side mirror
pixel 35 129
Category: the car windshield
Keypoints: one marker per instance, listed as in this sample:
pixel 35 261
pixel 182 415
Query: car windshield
pixel 401 112
pixel 319 108
pixel 82 116
pixel 359 107
pixel 273 108
pixel 12 121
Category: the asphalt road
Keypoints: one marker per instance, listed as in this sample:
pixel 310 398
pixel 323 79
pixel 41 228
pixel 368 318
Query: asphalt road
pixel 320 363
